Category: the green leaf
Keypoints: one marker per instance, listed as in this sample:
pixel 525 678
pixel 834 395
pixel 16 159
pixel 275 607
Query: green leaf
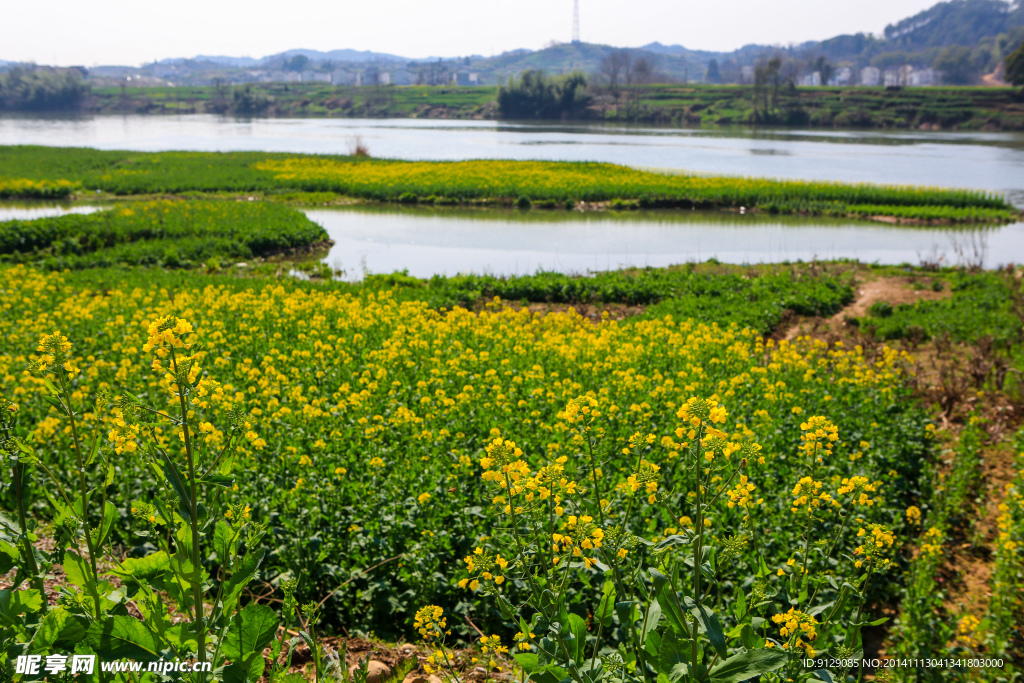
pixel 739 607
pixel 218 480
pixel 673 657
pixel 669 604
pixel 77 570
pixel 606 607
pixel 578 646
pixel 746 665
pixel 123 637
pixel 49 630
pixel 877 622
pixel 528 661
pixel 183 636
pixel 243 671
pixel 223 542
pixel 240 579
pixel 177 481
pixel 710 625
pixel 651 620
pixel 110 515
pixel 250 631
pixel 143 568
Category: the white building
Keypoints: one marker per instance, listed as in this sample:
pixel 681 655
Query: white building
pixel 870 75
pixel 467 78
pixel 927 76
pixel 842 76
pixel 313 76
pixel 898 77
pixel 747 74
pixel 811 79
pixel 346 77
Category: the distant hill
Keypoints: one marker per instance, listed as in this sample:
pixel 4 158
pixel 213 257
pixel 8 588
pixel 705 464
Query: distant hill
pixel 958 22
pixel 962 38
pixel 353 56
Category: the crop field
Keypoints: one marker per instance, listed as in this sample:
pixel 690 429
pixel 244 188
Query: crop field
pixel 679 495
pixel 39 170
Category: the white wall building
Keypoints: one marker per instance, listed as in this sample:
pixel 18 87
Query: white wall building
pixel 870 75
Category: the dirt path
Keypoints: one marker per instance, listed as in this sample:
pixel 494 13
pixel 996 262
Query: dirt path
pixel 894 290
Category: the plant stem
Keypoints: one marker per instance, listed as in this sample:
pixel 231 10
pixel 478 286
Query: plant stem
pixel 197 577
pixel 30 556
pixel 83 491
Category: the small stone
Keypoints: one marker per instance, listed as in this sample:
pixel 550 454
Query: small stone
pixel 375 671
pixel 420 678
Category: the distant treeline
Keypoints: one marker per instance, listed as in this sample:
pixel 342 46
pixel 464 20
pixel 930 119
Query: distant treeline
pixel 535 96
pixel 41 89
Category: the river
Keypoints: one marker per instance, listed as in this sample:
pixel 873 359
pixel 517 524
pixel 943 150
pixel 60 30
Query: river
pixel 426 241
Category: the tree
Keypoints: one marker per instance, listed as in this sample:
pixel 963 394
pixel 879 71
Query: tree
pixel 825 69
pixel 956 64
pixel 296 63
pixel 535 96
pixel 614 67
pixel 713 75
pixel 1014 65
pixel 39 89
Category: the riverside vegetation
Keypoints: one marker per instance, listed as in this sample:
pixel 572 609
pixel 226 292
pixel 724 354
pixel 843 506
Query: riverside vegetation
pixel 42 171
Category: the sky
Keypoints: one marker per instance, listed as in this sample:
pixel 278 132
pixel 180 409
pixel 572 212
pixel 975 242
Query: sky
pixel 127 32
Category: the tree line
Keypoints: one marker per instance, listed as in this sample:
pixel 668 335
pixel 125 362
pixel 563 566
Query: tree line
pixel 26 88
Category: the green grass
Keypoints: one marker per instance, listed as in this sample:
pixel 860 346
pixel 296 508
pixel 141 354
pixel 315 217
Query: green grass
pixel 167 233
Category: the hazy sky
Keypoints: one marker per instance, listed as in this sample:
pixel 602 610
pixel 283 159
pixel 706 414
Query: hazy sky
pixel 130 32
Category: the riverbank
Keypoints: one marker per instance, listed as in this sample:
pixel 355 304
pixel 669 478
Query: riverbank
pixel 83 173
pixel 692 105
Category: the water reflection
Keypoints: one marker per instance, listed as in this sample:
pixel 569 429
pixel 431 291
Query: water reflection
pixel 428 241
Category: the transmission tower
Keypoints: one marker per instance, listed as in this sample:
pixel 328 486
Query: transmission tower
pixel 576 21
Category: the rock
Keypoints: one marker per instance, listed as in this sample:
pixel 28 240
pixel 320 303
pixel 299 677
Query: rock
pixel 420 678
pixel 376 672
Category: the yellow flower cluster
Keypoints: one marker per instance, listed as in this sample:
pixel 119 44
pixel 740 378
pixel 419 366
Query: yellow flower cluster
pixel 645 476
pixel 740 495
pixel 856 484
pixel 795 625
pixel 492 644
pixel 578 534
pixel 580 408
pixel 914 515
pixel 818 437
pixel 523 640
pixel 931 545
pixel 166 331
pixel 431 623
pixel 876 546
pixel 487 567
pixel 808 494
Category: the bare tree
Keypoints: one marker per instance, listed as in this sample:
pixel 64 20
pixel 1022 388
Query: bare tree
pixel 614 68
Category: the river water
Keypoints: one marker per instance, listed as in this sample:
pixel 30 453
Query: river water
pixel 427 241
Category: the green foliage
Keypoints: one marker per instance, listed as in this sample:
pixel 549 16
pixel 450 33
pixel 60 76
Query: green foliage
pixel 981 305
pixel 170 233
pixel 41 89
pixel 534 96
pixel 1015 66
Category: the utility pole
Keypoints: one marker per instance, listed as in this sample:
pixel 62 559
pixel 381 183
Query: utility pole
pixel 576 21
